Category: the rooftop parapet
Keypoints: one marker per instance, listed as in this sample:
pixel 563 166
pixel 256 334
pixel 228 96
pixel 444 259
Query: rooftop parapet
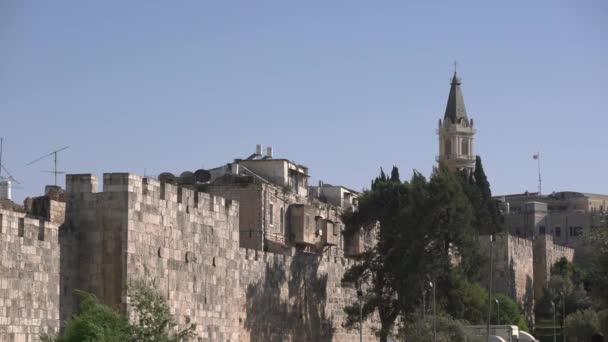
pixel 150 191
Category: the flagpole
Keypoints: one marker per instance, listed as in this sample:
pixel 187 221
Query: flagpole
pixel 540 182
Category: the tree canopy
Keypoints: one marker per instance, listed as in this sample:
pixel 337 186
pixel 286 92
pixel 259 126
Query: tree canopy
pixel 426 234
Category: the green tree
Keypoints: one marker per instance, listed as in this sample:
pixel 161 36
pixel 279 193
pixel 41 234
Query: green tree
pixel 582 325
pixel 486 216
pixel 598 270
pixel 94 322
pixel 560 286
pixel 509 312
pixel 395 175
pixel 153 320
pixel 448 330
pixel 424 232
pixel 467 300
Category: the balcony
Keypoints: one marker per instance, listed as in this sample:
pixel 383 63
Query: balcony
pixel 456 157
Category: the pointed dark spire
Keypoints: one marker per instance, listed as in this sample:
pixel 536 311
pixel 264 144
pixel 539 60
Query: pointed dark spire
pixel 455 109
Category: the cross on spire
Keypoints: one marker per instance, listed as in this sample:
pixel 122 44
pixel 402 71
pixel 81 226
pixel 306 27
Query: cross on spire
pixel 455 66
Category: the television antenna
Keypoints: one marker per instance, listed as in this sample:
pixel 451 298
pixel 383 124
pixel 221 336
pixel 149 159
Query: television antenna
pixel 8 176
pixel 54 154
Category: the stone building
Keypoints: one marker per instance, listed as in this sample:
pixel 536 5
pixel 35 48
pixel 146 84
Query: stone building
pixel 567 216
pixel 278 210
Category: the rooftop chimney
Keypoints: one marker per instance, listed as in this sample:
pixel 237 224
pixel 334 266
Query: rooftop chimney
pixel 258 149
pixel 269 151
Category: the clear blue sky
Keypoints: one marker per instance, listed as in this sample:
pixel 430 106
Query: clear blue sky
pixel 341 86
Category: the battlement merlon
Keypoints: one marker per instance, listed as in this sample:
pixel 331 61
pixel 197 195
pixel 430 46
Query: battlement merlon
pixel 148 187
pixel 81 183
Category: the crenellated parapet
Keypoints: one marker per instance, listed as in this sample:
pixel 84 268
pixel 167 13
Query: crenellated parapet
pixel 29 276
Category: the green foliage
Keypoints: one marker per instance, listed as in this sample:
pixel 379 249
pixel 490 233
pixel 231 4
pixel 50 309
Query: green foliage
pixel 486 215
pixel 598 273
pixel 582 325
pixel 153 321
pixel 567 281
pixel 567 269
pixel 467 301
pixel 448 330
pixel 424 226
pixel 96 322
pixel 395 175
pixel 510 313
pixel 603 318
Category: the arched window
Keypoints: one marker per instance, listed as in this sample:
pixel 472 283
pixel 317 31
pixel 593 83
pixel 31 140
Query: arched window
pixel 448 147
pixel 464 148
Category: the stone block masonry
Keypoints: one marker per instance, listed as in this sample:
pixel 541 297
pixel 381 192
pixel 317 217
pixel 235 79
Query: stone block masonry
pixel 187 244
pixel 29 277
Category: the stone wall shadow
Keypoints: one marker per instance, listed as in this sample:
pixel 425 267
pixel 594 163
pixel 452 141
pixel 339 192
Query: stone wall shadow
pixel 288 303
pixel 68 301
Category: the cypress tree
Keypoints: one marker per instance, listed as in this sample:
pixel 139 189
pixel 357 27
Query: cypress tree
pixel 395 175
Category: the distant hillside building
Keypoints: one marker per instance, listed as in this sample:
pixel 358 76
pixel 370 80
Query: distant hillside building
pixel 567 216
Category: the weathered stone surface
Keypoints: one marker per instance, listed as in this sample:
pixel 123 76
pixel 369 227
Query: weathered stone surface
pixel 29 277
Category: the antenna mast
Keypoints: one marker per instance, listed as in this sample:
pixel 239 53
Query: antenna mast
pixel 54 154
pixel 9 176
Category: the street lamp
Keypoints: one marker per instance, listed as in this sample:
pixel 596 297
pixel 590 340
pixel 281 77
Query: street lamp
pixel 497 311
pixel 360 297
pixel 490 287
pixel 554 327
pixel 563 316
pixel 434 313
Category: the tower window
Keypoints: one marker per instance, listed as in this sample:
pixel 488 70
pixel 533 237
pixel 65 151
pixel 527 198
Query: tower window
pixel 448 147
pixel 465 147
pixel 271 214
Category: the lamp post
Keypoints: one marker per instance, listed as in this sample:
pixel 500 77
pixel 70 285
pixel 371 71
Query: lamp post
pixel 563 316
pixel 434 313
pixel 554 327
pixel 490 287
pixel 424 305
pixel 360 297
pixel 497 311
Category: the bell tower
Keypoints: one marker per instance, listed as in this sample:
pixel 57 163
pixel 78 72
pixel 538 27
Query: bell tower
pixel 456 132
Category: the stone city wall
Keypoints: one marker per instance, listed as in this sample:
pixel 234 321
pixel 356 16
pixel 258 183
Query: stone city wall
pixel 513 268
pixel 297 297
pixel 546 254
pixel 187 244
pixel 29 277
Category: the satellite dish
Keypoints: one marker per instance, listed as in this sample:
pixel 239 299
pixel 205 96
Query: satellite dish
pixel 167 177
pixel 186 177
pixel 202 176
